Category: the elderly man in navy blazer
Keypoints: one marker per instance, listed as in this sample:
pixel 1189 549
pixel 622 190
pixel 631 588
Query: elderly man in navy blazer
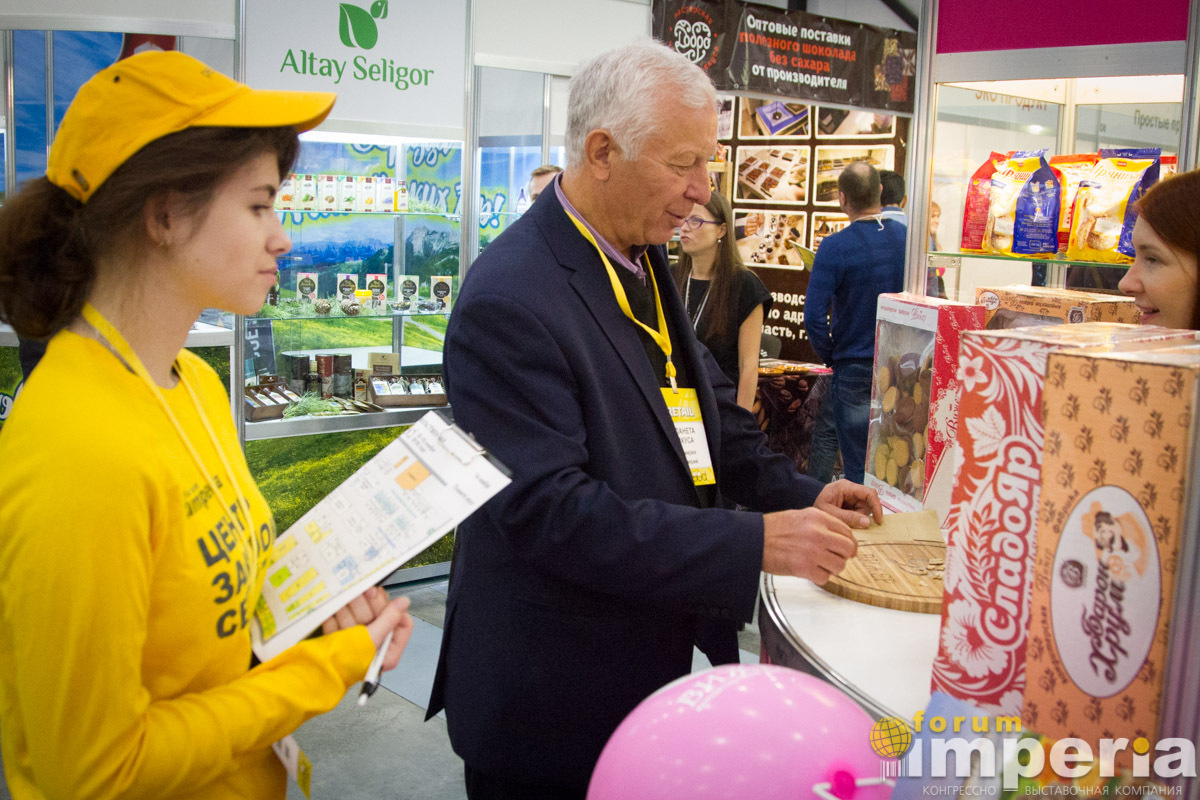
pixel 575 592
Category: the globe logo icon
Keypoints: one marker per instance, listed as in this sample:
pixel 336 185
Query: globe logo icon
pixel 890 737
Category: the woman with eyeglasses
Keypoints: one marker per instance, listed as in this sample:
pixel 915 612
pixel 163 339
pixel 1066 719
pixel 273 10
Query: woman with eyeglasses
pixel 725 300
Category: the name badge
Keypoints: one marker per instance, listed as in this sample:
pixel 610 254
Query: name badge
pixel 298 767
pixel 684 407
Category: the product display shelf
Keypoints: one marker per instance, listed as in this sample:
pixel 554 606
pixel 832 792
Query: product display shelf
pixel 881 657
pixel 202 334
pixel 941 259
pixel 389 214
pixel 308 426
pixel 336 315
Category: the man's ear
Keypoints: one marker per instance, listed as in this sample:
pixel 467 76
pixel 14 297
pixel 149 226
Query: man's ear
pixel 600 149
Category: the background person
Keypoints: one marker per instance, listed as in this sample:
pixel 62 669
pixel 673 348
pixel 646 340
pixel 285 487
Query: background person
pixel 133 541
pixel 851 269
pixel 540 178
pixel 1166 240
pixel 575 592
pixel 725 300
pixel 893 196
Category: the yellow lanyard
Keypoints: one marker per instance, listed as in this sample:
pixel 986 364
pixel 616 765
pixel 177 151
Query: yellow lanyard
pixel 124 352
pixel 661 336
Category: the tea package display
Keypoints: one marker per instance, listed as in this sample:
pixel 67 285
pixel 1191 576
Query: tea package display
pixel 1024 207
pixel 377 286
pixel 306 286
pixel 327 193
pixel 1021 306
pixel 914 395
pixel 306 192
pixel 991 525
pixel 439 290
pixel 366 194
pixel 1110 528
pixel 347 283
pixel 975 215
pixel 1074 170
pixel 1105 209
pixel 285 198
pixel 385 195
pixel 347 193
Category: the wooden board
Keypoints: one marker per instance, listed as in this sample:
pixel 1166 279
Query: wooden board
pixel 899 565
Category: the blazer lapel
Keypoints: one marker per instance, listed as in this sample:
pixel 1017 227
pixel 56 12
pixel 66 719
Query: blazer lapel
pixel 590 280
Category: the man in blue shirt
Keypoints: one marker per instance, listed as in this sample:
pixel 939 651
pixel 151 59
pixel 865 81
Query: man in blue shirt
pixel 851 269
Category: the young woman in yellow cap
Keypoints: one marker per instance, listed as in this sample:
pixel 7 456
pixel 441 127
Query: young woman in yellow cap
pixel 132 537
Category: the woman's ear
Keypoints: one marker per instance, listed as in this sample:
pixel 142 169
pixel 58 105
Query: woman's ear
pixel 157 217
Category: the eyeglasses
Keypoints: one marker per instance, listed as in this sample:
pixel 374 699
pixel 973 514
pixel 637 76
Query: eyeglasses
pixel 696 222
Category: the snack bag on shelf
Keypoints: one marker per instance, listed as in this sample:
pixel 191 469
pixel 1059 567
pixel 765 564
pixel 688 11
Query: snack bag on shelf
pixel 1022 306
pixel 914 397
pixel 975 215
pixel 991 525
pixel 1074 169
pixel 1168 166
pixel 377 285
pixel 1106 206
pixel 348 193
pixel 1109 531
pixel 1024 207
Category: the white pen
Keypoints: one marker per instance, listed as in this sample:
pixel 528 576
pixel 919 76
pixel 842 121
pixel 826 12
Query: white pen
pixel 371 681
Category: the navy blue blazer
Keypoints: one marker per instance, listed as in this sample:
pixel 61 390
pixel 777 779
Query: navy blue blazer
pixel 574 592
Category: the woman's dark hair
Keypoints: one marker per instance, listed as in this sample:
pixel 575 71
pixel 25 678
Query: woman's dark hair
pixel 49 241
pixel 1172 209
pixel 725 269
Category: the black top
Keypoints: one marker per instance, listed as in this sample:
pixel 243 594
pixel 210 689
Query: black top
pixel 749 293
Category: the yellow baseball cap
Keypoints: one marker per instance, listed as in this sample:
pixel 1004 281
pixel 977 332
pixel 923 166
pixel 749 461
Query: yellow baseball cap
pixel 150 95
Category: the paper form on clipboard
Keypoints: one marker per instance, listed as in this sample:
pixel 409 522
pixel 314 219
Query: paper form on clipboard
pixel 409 495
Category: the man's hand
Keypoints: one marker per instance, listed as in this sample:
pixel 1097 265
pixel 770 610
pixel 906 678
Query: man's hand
pixel 809 543
pixel 851 503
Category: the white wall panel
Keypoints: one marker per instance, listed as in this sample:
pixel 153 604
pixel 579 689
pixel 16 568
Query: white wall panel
pixel 210 18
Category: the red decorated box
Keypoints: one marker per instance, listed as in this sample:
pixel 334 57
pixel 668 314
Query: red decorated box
pixel 991 525
pixel 914 397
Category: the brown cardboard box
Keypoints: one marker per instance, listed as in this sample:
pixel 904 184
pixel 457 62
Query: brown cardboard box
pixel 1020 306
pixel 991 526
pixel 1110 526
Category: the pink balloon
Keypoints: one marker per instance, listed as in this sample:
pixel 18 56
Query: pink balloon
pixel 740 731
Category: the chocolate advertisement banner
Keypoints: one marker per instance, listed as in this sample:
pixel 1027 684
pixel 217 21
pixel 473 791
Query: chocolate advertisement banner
pixel 745 47
pixel 788 286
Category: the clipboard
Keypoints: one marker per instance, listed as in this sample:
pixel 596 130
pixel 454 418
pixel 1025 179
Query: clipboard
pixel 406 497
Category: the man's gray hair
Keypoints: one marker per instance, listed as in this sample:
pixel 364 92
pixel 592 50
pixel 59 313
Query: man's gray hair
pixel 620 91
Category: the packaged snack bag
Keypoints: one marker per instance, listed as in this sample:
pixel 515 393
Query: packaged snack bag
pixel 1105 209
pixel 1074 169
pixel 1024 207
pixel 975 215
pixel 377 285
pixel 1168 166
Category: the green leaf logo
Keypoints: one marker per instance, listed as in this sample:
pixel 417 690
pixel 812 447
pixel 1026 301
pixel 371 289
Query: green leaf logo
pixel 356 27
pixel 379 9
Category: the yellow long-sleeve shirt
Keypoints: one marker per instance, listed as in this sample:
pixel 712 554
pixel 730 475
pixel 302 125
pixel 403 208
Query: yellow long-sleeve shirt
pixel 126 588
